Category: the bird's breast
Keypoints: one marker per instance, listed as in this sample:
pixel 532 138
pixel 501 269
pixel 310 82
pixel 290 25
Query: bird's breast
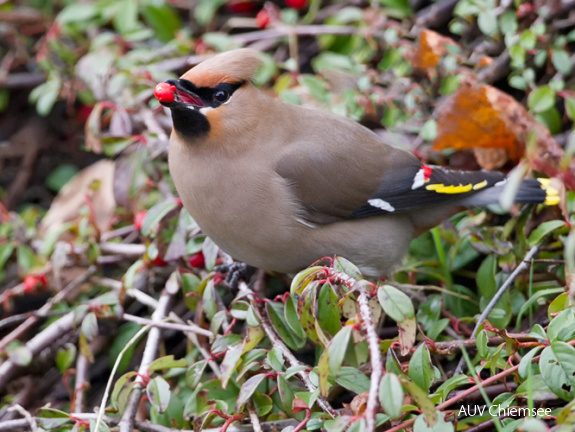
pixel 243 205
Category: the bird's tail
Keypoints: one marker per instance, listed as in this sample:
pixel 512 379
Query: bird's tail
pixel 530 191
pixel 537 191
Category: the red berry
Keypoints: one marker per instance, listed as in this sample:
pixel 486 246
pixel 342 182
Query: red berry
pixel 197 260
pixel 165 92
pixel 240 6
pixel 159 262
pixel 139 219
pixel 296 4
pixel 31 282
pixel 263 19
pixel 525 10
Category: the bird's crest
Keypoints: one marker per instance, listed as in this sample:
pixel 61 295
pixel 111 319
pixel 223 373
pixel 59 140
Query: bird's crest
pixel 232 67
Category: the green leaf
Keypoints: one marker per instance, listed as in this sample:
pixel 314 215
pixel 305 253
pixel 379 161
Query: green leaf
pixel 158 392
pixel 127 20
pixel 195 372
pixel 570 107
pixel 420 370
pixel 429 131
pixel 49 418
pixel 353 379
pixel 481 344
pixel 337 348
pixel 19 353
pixel 163 20
pixel 230 363
pixel 167 362
pixel 210 306
pixel 317 87
pixel 487 22
pixel 421 397
pixel 60 176
pixel 391 395
pixel 543 230
pixel 557 365
pixel 46 95
pixel 441 425
pixel 395 303
pixel 25 258
pixel 156 214
pixel 262 403
pixel 328 315
pixel 561 61
pixel 397 8
pixel 275 313
pixel 6 250
pixel 306 310
pixel 292 319
pixel 247 390
pixel 565 319
pixel 346 266
pixel 77 12
pixel 550 118
pixel 65 357
pixel 559 304
pixel 276 359
pixel 205 10
pixel 286 394
pixel 486 276
pixel 90 326
pixel 541 99
pixel 525 362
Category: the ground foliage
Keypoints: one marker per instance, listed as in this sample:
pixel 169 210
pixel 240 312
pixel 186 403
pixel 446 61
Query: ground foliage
pixel 115 284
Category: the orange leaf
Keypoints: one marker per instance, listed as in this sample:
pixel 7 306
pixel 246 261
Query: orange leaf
pixel 478 116
pixel 482 116
pixel 431 47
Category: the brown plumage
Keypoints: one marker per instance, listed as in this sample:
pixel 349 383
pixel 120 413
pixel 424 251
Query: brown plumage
pixel 279 186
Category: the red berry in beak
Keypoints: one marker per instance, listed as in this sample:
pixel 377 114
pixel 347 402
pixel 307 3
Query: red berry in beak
pixel 165 92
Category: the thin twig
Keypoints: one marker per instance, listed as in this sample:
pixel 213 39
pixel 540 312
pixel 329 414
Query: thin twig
pixel 102 408
pixel 29 419
pixel 506 285
pixel 82 367
pixel 44 339
pixel 288 355
pixel 152 345
pixel 193 328
pixel 257 427
pixel 375 357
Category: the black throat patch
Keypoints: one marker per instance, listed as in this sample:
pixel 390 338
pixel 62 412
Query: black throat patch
pixel 189 123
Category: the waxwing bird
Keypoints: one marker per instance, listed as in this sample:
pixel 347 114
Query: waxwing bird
pixel 279 186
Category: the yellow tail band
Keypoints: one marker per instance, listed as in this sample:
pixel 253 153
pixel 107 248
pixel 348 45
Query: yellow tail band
pixel 552 194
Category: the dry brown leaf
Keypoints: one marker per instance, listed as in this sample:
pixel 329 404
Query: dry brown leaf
pixel 484 61
pixel 428 52
pixel 94 183
pixel 490 159
pixel 479 116
pixel 359 403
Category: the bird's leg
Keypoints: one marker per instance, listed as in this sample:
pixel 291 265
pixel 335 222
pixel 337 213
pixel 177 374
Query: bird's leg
pixel 235 272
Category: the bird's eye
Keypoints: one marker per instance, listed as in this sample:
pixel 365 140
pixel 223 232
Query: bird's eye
pixel 221 96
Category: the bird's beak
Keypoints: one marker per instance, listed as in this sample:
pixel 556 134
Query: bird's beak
pixel 172 93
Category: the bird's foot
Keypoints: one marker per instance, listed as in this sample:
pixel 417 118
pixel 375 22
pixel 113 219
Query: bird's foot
pixel 235 272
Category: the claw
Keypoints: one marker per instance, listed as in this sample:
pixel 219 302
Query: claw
pixel 235 272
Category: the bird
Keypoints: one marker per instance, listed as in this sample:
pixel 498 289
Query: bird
pixel 279 186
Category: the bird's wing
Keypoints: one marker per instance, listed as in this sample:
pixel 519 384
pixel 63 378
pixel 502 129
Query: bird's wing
pixel 372 180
